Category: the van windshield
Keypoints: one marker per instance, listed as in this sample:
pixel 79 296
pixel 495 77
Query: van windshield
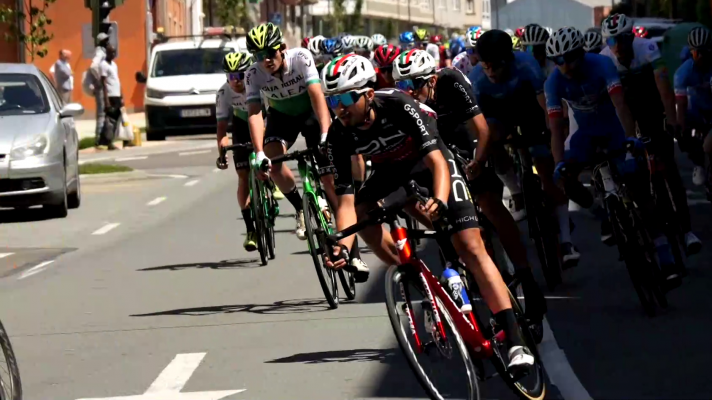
pixel 189 62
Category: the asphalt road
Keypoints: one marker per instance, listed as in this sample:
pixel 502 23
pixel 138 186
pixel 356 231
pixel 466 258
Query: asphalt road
pixel 145 289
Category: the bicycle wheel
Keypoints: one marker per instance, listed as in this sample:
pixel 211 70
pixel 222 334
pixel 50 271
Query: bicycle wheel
pixel 348 283
pixel 10 385
pixel 327 276
pixel 547 246
pixel 442 373
pixel 269 237
pixel 257 206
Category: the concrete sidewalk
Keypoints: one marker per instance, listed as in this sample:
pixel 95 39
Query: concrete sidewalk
pixel 87 127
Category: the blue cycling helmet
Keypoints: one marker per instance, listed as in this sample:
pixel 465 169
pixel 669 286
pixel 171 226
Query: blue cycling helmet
pixel 474 28
pixel 331 46
pixel 406 38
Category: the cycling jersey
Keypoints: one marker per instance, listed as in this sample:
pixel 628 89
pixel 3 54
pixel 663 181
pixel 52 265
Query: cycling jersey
pixel 380 80
pixel 401 135
pixel 443 55
pixel 454 102
pixel 548 68
pixel 286 90
pixel 693 83
pixel 589 102
pixel 434 51
pixel 229 102
pixel 462 62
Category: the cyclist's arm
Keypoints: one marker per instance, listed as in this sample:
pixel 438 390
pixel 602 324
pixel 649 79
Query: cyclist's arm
pixel 345 217
pixel 541 98
pixel 318 102
pixel 223 107
pixel 666 94
pixel 256 124
pixel 681 96
pixel 477 125
pixel 624 114
pixel 554 108
pixel 345 210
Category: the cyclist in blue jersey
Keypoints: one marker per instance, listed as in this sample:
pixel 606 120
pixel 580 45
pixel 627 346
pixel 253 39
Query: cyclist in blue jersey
pixel 651 101
pixel 590 85
pixel 593 42
pixel 504 81
pixel 694 102
pixel 534 42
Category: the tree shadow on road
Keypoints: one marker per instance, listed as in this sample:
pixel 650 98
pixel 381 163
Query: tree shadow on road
pixel 225 264
pixel 385 356
pixel 300 306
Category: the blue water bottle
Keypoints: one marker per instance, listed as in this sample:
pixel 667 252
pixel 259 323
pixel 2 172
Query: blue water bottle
pixel 457 290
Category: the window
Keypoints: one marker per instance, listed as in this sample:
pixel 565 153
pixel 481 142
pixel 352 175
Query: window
pixel 456 5
pixel 442 3
pixel 53 95
pixel 22 94
pixel 189 62
pixel 470 6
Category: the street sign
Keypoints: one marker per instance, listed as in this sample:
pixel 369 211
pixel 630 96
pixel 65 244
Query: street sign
pixel 275 18
pixel 173 378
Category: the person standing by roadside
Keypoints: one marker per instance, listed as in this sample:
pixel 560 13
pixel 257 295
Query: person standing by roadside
pixel 102 41
pixel 63 76
pixel 111 88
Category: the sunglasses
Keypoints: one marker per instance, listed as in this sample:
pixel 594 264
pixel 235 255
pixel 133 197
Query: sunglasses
pixel 346 99
pixel 567 58
pixel 265 54
pixel 411 84
pixel 492 66
pixel 235 76
pixel 622 38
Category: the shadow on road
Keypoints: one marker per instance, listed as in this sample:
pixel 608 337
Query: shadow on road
pixel 9 215
pixel 301 306
pixel 386 356
pixel 225 264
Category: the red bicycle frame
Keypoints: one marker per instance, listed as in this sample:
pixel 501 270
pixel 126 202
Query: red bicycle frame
pixel 466 325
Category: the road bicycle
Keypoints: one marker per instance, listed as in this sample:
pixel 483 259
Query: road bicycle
pixel 10 385
pixel 428 323
pixel 317 218
pixel 263 206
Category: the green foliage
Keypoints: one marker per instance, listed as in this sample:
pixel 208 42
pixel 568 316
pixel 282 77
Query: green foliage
pixel 233 12
pixel 338 16
pixel 355 20
pixel 341 21
pixel 32 17
pixel 92 169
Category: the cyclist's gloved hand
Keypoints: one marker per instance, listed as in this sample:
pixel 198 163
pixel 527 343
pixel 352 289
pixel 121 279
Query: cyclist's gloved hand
pixel 637 144
pixel 221 163
pixel 558 171
pixel 339 257
pixel 322 143
pixel 262 159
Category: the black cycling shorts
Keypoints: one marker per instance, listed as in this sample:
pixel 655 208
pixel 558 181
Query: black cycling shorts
pixel 487 180
pixel 241 136
pixel 388 178
pixel 285 128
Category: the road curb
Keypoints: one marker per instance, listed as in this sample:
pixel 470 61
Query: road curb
pixel 115 177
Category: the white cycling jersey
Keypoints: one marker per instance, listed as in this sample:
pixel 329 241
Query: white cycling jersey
pixel 645 52
pixel 229 102
pixel 434 51
pixel 286 90
pixel 462 62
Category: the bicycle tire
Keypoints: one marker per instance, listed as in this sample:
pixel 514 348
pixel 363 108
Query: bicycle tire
pixel 545 255
pixel 665 204
pixel 544 239
pixel 348 283
pixel 409 353
pixel 327 276
pixel 270 239
pixel 258 212
pixel 12 369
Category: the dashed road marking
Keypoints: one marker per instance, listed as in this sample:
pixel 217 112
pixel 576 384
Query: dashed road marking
pixel 192 153
pixel 3 255
pixel 217 170
pixel 192 183
pixel 558 369
pixel 35 270
pixel 132 158
pixel 106 228
pixel 175 176
pixel 157 200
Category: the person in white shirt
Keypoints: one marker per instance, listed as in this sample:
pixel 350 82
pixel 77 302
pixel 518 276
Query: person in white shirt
pixel 111 88
pixel 102 40
pixel 63 76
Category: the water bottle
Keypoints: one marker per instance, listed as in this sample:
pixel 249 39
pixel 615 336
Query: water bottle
pixel 457 290
pixel 324 207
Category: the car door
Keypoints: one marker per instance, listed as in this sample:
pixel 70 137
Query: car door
pixel 66 130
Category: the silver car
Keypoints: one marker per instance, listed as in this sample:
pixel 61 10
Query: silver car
pixel 39 152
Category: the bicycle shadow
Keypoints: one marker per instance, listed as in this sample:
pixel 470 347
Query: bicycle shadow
pixel 384 356
pixel 301 306
pixel 222 265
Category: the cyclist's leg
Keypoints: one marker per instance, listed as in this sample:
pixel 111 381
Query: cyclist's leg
pixel 311 132
pixel 241 160
pixel 280 134
pixel 504 167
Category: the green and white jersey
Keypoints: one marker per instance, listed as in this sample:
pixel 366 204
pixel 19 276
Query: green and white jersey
pixel 230 102
pixel 285 91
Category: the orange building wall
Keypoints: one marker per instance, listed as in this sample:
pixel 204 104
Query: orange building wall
pixel 175 18
pixel 8 50
pixel 67 21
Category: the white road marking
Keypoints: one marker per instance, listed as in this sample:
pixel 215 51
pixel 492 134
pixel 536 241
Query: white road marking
pixel 81 162
pixel 3 255
pixel 192 153
pixel 192 183
pixel 175 176
pixel 106 228
pixel 172 380
pixel 558 368
pixel 155 201
pixel 132 158
pixel 217 170
pixel 35 270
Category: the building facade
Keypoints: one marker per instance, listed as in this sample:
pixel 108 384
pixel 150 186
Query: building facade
pixel 582 14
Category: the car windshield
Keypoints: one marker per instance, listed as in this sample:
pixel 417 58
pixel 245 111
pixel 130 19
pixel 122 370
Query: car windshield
pixel 189 62
pixel 22 94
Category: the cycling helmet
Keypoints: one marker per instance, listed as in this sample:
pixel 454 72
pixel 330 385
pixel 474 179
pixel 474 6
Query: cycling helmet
pixel 406 38
pixel 415 63
pixel 640 31
pixel 315 44
pixel 265 36
pixel 519 32
pixel 509 32
pixel 699 38
pixel 421 35
pixel 363 43
pixel 516 43
pixel 495 47
pixel 474 28
pixel 592 41
pixel 549 30
pixel 305 42
pixel 379 40
pixel 348 42
pixel 436 39
pixel 472 38
pixel 331 46
pixel 236 61
pixel 346 73
pixel 384 55
pixel 615 25
pixel 534 35
pixel 563 41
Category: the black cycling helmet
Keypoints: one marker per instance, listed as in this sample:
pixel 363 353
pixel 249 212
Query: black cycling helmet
pixel 265 36
pixel 495 46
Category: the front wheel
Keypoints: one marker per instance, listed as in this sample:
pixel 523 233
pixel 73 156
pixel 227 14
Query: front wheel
pixel 327 276
pixel 256 204
pixel 348 283
pixel 10 385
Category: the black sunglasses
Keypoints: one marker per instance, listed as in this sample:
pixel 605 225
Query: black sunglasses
pixel 265 54
pixel 566 58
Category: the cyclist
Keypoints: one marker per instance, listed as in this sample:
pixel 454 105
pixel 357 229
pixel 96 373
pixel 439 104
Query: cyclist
pixel 590 85
pixel 519 32
pixel 379 40
pixel 383 58
pixel 506 80
pixel 332 47
pixel 445 61
pixel 363 46
pixel 460 123
pixel 402 140
pixel 305 42
pixel 516 43
pixel 467 60
pixel 348 43
pixel 456 46
pixel 407 40
pixel 534 42
pixel 288 80
pixel 422 39
pixel 593 42
pixel 694 102
pixel 651 100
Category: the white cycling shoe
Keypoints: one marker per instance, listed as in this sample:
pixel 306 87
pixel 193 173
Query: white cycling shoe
pixel 301 229
pixel 698 176
pixel 520 358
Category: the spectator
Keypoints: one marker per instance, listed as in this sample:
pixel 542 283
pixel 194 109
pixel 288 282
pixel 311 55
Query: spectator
pixel 111 89
pixel 102 41
pixel 63 76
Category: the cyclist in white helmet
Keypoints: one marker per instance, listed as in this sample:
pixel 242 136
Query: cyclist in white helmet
pixel 593 42
pixel 467 60
pixel 534 42
pixel 379 40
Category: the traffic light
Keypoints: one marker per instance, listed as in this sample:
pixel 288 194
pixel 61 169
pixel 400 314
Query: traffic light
pixel 100 10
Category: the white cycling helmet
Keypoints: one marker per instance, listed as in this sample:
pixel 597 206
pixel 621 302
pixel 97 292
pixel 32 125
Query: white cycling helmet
pixel 412 64
pixel 315 44
pixel 509 32
pixel 472 38
pixel 592 41
pixel 699 38
pixel 346 73
pixel 563 41
pixel 348 41
pixel 363 43
pixel 379 40
pixel 534 35
pixel 615 25
pixel 549 30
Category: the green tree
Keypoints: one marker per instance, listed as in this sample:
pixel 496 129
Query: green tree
pixel 31 16
pixel 337 21
pixel 232 12
pixel 355 20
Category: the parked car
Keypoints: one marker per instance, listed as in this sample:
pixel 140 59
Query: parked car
pixel 39 152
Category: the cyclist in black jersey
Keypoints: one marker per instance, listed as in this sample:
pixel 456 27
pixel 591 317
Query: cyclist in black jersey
pixel 401 138
pixel 461 124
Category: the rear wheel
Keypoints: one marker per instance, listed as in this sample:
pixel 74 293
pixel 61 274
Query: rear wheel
pixel 256 204
pixel 269 235
pixel 348 283
pixel 327 276
pixel 10 385
pixel 540 231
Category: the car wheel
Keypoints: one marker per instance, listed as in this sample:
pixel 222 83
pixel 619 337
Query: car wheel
pixel 74 197
pixel 58 208
pixel 155 135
